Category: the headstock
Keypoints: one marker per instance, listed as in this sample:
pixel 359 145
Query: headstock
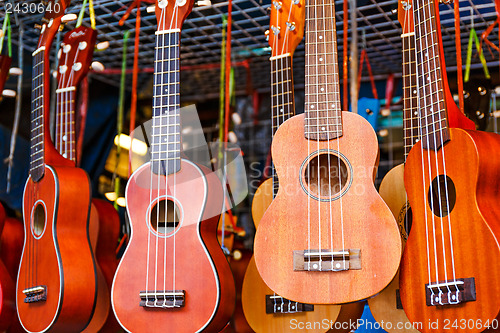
pixel 405 16
pixel 286 27
pixel 75 56
pixel 170 14
pixel 54 10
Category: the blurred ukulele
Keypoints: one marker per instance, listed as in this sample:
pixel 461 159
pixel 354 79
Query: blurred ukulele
pixel 57 254
pixel 173 274
pixel 450 269
pixel 265 310
pixel 327 226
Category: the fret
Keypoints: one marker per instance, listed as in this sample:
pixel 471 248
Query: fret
pixel 166 137
pixel 431 96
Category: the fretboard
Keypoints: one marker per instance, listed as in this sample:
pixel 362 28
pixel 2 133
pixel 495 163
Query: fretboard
pixel 410 100
pixel 166 134
pixel 434 125
pixel 282 98
pixel 65 123
pixel 323 113
pixel 37 156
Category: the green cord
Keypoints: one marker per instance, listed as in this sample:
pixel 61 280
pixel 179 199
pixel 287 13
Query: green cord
pixel 473 38
pixel 121 103
pixel 4 27
pixel 80 15
pixel 9 36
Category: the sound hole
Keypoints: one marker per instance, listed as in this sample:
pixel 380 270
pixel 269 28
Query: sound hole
pixel 38 220
pixel 442 195
pixel 165 217
pixel 326 175
pixel 408 220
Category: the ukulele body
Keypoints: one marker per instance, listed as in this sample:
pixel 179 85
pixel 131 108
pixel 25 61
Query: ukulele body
pixel 384 305
pixel 254 290
pixel 60 257
pixel 201 269
pixel 105 253
pixel 294 218
pixel 474 220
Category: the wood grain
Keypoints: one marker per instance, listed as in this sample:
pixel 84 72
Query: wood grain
pixel 471 165
pixel 65 267
pixel 209 295
pixel 368 222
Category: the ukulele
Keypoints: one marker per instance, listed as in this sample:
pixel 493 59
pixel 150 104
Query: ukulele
pixel 327 226
pixel 75 57
pixel 7 287
pixel 173 274
pixel 386 306
pixel 57 255
pixel 446 276
pixel 265 310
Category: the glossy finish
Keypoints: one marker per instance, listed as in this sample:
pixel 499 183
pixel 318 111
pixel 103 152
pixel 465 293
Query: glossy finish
pixel 200 267
pixel 368 222
pixel 473 168
pixel 61 258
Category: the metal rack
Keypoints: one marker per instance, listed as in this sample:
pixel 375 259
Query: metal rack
pixel 202 35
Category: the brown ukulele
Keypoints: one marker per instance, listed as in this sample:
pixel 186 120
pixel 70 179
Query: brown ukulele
pixel 265 310
pixel 386 306
pixel 327 228
pixel 56 283
pixel 75 58
pixel 450 271
pixel 173 275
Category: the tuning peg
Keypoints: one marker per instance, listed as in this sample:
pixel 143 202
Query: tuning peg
pixel 232 137
pixel 151 9
pixel 68 18
pixel 102 46
pixel 275 30
pixel 97 66
pixel 290 26
pixel 8 93
pixel 54 74
pixel 203 3
pixel 38 26
pixel 236 118
pixel 15 71
pixel 267 35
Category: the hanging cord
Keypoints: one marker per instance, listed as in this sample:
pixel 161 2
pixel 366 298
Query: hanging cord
pixel 17 116
pixel 345 58
pixel 473 37
pixel 119 123
pixel 458 46
pixel 6 27
pixel 364 57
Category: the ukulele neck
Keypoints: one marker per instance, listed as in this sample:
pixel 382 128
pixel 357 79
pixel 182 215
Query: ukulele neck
pixel 434 124
pixel 37 135
pixel 282 98
pixel 323 113
pixel 410 100
pixel 65 122
pixel 166 135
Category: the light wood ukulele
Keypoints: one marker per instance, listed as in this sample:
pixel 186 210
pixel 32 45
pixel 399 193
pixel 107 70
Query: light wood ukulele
pixel 450 271
pixel 327 237
pixel 265 310
pixel 386 306
pixel 173 275
pixel 57 279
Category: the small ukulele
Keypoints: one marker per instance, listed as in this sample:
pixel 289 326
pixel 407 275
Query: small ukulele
pixel 173 275
pixel 57 254
pixel 327 228
pixel 450 270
